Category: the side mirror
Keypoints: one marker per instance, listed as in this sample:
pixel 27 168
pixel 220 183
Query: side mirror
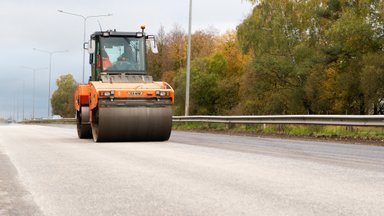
pixel 90 46
pixel 152 42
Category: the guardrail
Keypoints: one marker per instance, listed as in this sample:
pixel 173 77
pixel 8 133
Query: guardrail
pixel 341 120
pixel 50 121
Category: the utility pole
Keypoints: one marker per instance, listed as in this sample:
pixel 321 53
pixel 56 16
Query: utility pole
pixel 188 61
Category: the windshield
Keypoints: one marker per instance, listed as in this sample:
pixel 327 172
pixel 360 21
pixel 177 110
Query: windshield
pixel 121 54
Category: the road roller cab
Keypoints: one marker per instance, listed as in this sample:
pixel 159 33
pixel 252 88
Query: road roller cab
pixel 121 102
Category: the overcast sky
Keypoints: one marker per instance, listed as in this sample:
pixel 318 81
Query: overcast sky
pixel 28 24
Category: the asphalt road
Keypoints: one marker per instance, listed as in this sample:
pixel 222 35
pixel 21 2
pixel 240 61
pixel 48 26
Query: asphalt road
pixel 47 170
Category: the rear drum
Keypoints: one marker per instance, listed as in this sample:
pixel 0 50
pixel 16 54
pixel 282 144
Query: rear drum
pixel 84 130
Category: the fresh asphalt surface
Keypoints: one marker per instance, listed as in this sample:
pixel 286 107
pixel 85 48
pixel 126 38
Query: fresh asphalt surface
pixel 46 170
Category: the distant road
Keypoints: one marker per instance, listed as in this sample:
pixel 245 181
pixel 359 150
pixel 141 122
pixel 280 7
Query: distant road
pixel 47 170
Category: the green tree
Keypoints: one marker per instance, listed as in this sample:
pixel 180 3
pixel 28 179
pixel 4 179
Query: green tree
pixel 275 33
pixel 372 81
pixel 62 98
pixel 311 56
pixel 203 86
pixel 350 37
pixel 204 75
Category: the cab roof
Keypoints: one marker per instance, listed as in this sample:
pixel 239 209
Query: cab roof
pixel 117 33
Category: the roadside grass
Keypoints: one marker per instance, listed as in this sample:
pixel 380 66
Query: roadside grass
pixel 346 132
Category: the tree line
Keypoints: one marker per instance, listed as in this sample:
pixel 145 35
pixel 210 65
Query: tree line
pixel 286 57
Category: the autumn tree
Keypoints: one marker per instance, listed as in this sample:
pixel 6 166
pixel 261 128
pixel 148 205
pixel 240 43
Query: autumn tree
pixel 157 61
pixel 62 98
pixel 230 83
pixel 169 63
pixel 216 71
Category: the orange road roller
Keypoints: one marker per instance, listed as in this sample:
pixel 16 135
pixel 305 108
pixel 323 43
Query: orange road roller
pixel 121 102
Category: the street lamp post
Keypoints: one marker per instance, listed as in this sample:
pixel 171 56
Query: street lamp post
pixel 188 61
pixel 17 105
pixel 50 72
pixel 34 87
pixel 23 99
pixel 85 26
pixel 18 92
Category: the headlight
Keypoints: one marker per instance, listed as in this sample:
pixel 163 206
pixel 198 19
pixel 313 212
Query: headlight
pixel 107 93
pixel 161 93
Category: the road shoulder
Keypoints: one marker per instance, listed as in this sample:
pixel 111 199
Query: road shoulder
pixel 14 199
